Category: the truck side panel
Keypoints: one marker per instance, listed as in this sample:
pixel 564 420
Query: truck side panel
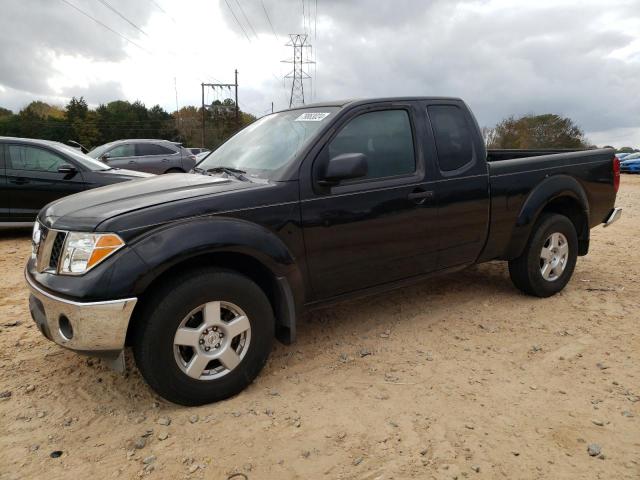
pixel 514 181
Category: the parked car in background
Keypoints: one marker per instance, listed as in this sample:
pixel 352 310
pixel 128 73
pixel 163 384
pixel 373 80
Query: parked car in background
pixel 631 163
pixel 145 155
pixel 196 150
pixel 34 173
pixel 621 156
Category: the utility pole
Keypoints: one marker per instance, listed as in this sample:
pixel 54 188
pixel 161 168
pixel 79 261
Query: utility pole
pixel 298 75
pixel 237 108
pixel 202 144
pixel 221 85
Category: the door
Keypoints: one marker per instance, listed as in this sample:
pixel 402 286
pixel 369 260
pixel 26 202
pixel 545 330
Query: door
pixel 122 156
pixel 154 158
pixel 33 179
pixel 463 184
pixel 4 192
pixel 379 228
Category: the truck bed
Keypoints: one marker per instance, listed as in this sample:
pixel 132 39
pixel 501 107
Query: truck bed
pixel 514 174
pixel 497 155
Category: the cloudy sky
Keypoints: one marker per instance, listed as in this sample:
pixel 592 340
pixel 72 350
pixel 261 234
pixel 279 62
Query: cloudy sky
pixel 579 58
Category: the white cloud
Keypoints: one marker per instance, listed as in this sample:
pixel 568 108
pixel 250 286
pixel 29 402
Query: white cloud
pixel 504 57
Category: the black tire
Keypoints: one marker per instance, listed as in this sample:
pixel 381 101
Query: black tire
pixel 525 271
pixel 174 170
pixel 165 309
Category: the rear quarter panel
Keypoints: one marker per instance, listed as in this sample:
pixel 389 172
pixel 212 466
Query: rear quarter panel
pixel 513 181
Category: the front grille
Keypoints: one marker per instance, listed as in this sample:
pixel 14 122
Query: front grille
pixel 56 250
pixel 49 249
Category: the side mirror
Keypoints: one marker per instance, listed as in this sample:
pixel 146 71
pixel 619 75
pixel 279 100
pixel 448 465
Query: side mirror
pixel 67 169
pixel 344 167
pixel 105 157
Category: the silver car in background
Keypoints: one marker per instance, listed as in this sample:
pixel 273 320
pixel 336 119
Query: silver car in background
pixel 145 155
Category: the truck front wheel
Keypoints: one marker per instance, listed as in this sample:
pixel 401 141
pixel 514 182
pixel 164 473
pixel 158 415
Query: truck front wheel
pixel 204 336
pixel 548 260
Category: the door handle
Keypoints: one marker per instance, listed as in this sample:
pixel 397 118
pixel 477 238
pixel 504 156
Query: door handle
pixel 19 181
pixel 131 162
pixel 419 196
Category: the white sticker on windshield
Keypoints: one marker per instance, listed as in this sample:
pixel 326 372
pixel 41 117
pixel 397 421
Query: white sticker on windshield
pixel 312 116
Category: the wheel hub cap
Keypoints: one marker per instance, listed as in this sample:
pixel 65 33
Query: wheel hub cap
pixel 212 340
pixel 554 256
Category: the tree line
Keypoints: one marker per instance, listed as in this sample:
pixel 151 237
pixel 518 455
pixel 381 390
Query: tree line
pixel 121 119
pixel 539 131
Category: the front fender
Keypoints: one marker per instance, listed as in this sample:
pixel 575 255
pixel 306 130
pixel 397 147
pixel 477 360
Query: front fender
pixel 175 243
pixel 544 193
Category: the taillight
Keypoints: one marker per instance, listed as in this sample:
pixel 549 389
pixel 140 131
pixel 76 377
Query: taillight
pixel 616 173
pixel 192 157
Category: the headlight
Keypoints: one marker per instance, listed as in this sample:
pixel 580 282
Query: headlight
pixel 83 251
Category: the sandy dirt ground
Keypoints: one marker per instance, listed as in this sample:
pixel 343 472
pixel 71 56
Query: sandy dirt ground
pixel 459 377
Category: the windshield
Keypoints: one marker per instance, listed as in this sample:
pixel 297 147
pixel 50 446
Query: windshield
pixel 270 142
pixel 98 151
pixel 81 158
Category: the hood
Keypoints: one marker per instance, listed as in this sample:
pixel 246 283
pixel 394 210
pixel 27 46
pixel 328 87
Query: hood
pixel 86 210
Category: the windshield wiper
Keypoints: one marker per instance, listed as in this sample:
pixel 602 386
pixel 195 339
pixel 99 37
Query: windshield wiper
pixel 234 172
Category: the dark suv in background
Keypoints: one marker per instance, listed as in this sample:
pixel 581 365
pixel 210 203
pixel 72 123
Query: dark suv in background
pixel 34 173
pixel 151 156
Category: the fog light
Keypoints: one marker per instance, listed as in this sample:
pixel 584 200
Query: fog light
pixel 65 328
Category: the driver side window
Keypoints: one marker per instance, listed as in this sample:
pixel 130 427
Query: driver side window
pixel 126 150
pixel 33 158
pixel 385 137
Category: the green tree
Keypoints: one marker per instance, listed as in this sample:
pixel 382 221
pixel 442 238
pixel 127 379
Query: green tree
pixel 121 119
pixel 76 109
pixel 536 131
pixel 81 122
pixel 627 150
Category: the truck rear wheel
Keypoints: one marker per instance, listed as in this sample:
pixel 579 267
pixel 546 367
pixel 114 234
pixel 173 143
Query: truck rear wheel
pixel 548 260
pixel 204 336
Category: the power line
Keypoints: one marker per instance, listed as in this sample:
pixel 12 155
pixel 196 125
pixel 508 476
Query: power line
pixel 163 10
pixel 237 21
pixel 269 19
pixel 315 57
pixel 304 19
pixel 105 26
pixel 114 10
pixel 246 18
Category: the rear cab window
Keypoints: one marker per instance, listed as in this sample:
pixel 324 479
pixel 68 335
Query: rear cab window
pixel 453 137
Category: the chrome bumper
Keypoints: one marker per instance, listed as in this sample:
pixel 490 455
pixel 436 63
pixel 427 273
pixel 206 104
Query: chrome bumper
pixel 615 214
pixel 89 327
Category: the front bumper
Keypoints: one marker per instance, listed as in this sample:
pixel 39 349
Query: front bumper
pixel 98 328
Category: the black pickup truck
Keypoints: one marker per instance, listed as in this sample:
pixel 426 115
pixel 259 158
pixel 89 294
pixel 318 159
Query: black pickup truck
pixel 199 272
